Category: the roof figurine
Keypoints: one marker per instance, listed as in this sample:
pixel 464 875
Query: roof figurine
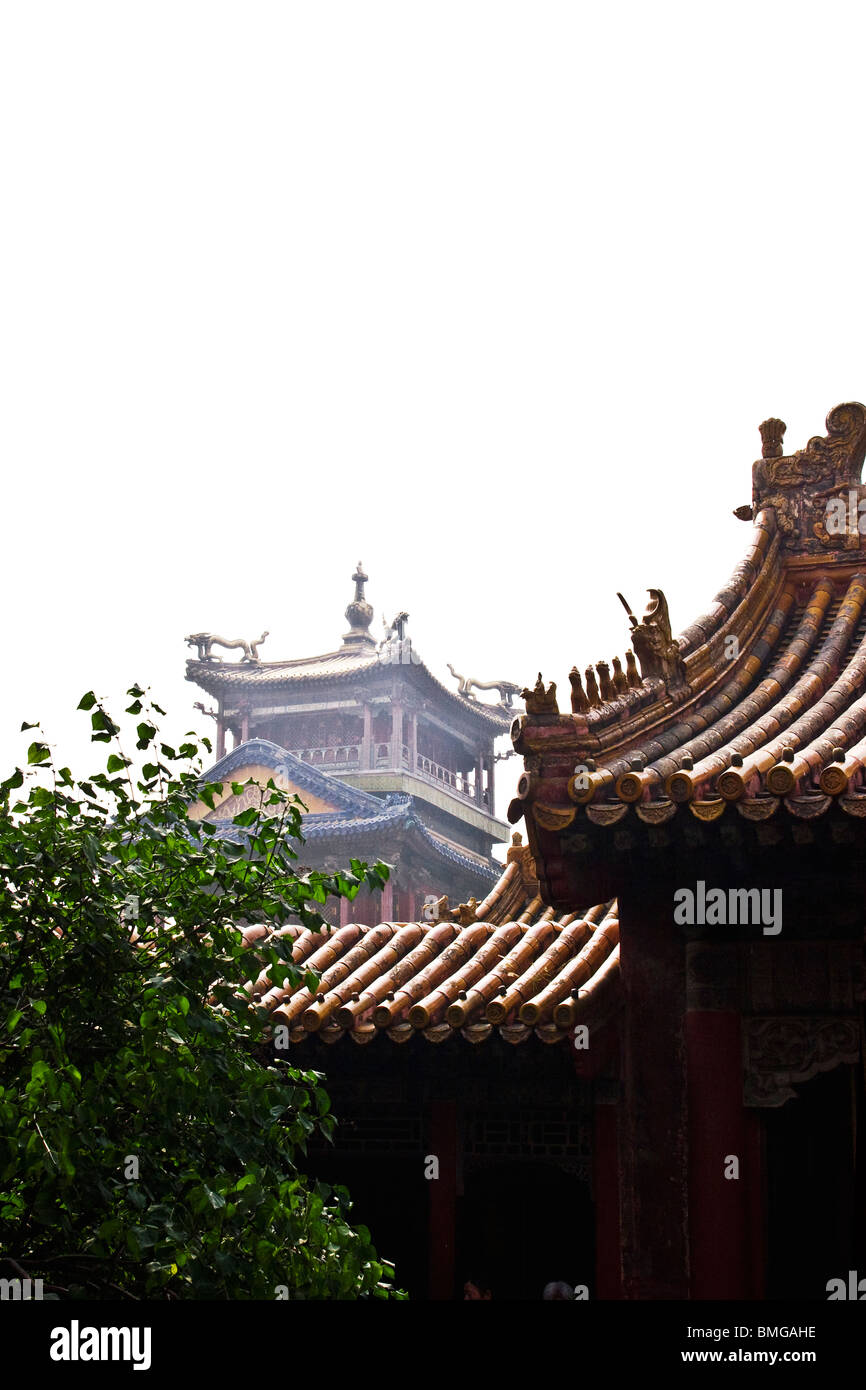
pixel 205 641
pixel 507 689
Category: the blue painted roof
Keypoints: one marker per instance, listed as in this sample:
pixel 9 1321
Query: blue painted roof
pixel 359 813
pixel 296 771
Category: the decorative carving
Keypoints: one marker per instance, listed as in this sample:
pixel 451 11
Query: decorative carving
pixel 541 701
pixel 659 655
pixel 579 702
pixel 797 486
pixel 204 641
pixel 592 694
pixel 466 914
pixel 781 1052
pixel 507 689
pixel 522 855
pixel 772 434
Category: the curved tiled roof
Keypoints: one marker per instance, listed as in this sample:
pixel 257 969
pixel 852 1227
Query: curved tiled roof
pixel 506 964
pixel 357 812
pixel 222 679
pixel 759 704
pixel 263 752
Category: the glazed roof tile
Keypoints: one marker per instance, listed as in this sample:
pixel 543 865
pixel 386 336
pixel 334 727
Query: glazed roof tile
pixel 761 702
pixel 508 964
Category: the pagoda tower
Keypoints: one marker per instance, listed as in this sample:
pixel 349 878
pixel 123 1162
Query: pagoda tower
pixel 390 762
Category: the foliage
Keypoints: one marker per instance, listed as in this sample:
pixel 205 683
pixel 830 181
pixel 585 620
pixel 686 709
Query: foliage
pixel 148 1131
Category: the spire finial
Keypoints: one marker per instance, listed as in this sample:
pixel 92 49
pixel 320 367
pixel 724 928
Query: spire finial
pixel 359 613
pixel 360 579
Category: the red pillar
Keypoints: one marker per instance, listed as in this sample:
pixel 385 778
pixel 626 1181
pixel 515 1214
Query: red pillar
pixel 443 1199
pixel 721 1253
pixel 653 1159
pixel 345 912
pixel 605 1183
pixel 387 908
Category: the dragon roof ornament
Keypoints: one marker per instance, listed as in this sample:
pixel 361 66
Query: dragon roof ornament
pixel 815 492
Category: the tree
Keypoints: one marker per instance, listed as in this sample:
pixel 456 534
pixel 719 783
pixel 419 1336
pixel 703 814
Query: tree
pixel 148 1131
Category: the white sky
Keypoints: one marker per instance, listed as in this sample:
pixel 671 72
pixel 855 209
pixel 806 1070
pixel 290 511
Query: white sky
pixel 493 296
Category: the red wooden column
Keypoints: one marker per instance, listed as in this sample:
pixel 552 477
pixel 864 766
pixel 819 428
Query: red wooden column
pixel 443 1199
pixel 345 912
pixel 605 1185
pixel 652 1130
pixel 725 1263
pixel 717 1207
pixel 387 908
pixel 367 740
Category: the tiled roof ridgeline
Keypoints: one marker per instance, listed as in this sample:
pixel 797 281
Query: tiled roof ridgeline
pixel 359 813
pixel 223 678
pixel 302 774
pixel 516 968
pixel 772 705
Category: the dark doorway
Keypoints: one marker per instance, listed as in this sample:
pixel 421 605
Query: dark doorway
pixel 810 1182
pixel 525 1224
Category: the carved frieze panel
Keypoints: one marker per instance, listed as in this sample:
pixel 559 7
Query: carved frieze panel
pixel 781 1052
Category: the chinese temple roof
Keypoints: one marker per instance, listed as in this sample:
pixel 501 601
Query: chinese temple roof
pixel 351 813
pixel 758 705
pixel 506 964
pixel 359 657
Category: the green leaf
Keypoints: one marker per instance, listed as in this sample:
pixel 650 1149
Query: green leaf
pixel 116 763
pixel 87 701
pixel 38 753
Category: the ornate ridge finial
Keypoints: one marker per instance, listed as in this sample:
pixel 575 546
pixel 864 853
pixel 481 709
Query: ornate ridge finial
pixel 809 490
pixel 359 614
pixel 772 434
pixel 540 701
pixel 360 579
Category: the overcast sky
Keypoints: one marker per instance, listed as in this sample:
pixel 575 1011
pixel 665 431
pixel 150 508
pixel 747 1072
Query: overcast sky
pixel 491 296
